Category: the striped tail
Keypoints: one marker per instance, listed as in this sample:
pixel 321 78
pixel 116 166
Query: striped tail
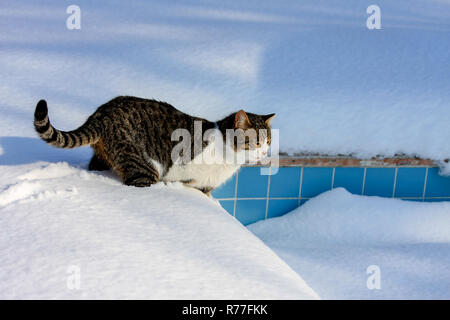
pixel 88 133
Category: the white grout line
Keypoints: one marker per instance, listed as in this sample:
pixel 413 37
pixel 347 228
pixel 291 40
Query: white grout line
pixel 364 181
pixel 267 194
pixel 235 194
pixel 332 178
pixel 425 184
pixel 395 182
pixel 300 187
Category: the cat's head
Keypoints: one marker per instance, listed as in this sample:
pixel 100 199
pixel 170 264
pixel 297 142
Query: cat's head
pixel 252 133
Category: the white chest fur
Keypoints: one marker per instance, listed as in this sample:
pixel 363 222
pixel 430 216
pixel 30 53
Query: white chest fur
pixel 204 171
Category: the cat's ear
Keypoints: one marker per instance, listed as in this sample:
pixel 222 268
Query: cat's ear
pixel 241 120
pixel 268 118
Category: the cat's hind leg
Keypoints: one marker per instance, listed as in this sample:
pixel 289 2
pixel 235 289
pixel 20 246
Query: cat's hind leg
pixel 98 162
pixel 134 170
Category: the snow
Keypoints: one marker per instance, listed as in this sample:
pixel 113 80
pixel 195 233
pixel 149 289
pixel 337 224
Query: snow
pixel 335 237
pixel 337 88
pixel 351 90
pixel 166 242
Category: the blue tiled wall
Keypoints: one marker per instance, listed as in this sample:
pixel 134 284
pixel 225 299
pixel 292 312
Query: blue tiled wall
pixel 250 196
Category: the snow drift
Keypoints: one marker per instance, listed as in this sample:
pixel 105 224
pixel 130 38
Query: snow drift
pixel 333 238
pixel 159 242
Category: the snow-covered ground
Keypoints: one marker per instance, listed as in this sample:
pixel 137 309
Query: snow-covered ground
pixel 59 222
pixel 336 86
pixel 338 242
pixel 173 242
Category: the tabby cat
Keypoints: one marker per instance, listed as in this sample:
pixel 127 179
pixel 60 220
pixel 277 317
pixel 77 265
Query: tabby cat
pixel 133 136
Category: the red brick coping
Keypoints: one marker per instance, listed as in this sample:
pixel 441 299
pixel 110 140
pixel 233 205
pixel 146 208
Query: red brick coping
pixel 343 161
